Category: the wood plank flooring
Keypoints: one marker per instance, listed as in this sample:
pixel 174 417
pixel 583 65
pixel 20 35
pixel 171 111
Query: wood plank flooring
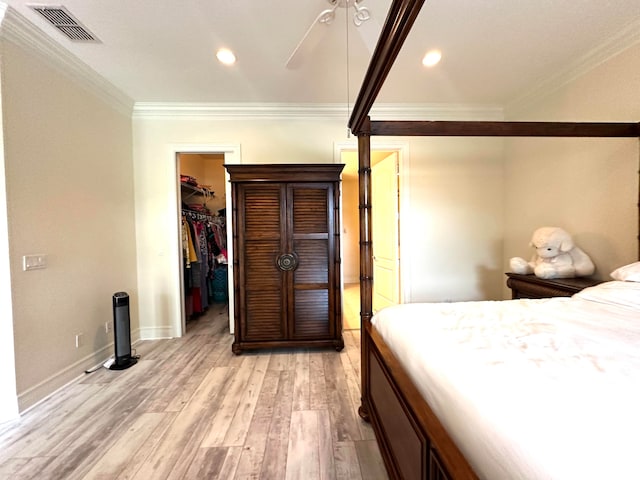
pixel 190 409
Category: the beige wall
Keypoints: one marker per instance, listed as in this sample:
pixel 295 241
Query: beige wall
pixel 451 219
pixel 8 394
pixel 587 186
pixel 68 163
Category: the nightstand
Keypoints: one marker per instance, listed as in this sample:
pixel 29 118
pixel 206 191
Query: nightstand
pixel 530 286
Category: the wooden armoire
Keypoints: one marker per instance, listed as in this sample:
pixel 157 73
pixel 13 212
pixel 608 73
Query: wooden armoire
pixel 286 255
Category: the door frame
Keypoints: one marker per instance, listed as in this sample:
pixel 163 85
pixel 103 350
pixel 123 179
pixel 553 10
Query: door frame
pixel 402 149
pixel 232 155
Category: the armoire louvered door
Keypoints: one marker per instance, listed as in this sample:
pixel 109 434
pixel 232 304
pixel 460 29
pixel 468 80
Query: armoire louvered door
pixel 262 236
pixel 310 239
pixel 286 255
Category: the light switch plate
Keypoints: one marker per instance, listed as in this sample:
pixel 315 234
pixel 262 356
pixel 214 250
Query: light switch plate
pixel 34 262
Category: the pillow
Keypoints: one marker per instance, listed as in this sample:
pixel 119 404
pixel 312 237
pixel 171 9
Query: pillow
pixel 627 273
pixel 613 293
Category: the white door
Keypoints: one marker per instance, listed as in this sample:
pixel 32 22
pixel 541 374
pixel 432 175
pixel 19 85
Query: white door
pixel 384 224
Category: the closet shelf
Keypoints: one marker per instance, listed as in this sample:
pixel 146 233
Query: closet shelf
pixel 189 191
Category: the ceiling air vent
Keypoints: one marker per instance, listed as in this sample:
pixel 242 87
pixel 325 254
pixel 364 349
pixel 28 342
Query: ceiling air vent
pixel 60 18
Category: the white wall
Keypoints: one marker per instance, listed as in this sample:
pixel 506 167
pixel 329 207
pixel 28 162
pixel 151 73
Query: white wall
pixel 68 165
pixel 451 228
pixel 453 217
pixel 587 186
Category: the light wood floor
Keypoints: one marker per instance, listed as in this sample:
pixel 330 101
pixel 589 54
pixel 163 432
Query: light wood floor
pixel 190 409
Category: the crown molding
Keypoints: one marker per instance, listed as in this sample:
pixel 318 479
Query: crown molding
pixel 18 30
pixel 283 111
pixel 618 43
pixel 436 111
pixel 239 110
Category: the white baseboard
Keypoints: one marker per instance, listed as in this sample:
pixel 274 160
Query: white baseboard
pixel 49 386
pixel 155 333
pixel 56 382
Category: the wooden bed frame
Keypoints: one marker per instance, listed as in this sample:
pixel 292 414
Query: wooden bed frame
pixel 413 442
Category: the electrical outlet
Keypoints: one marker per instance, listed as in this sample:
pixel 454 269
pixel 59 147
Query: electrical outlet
pixel 79 339
pixel 108 326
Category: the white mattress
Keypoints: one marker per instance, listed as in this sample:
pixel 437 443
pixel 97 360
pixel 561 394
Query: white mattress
pixel 528 389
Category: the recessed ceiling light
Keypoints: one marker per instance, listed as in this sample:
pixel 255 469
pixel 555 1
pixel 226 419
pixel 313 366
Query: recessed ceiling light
pixel 431 58
pixel 226 56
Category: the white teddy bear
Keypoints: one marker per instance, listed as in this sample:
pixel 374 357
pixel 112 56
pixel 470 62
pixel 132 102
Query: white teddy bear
pixel 556 256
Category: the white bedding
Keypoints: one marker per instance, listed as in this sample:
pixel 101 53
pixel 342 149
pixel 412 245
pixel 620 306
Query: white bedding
pixel 530 389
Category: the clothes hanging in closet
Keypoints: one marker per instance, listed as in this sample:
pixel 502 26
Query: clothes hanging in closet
pixel 204 251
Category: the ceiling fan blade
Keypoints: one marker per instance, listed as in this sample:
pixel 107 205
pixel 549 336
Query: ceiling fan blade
pixel 311 39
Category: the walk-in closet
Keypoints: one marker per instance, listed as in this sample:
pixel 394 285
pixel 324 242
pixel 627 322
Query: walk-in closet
pixel 203 232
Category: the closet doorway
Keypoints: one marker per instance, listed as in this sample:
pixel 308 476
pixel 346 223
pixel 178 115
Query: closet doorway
pixel 203 228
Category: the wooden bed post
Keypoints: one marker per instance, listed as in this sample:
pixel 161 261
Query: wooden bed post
pixel 366 258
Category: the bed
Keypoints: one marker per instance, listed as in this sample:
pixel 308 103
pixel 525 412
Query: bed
pixel 553 361
pixel 416 438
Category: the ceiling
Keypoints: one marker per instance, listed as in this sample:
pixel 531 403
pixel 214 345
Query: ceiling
pixel 494 51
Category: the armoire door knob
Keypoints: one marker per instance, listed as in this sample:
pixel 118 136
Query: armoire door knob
pixel 287 262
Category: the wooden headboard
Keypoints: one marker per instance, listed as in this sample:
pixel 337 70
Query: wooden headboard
pixel 402 14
